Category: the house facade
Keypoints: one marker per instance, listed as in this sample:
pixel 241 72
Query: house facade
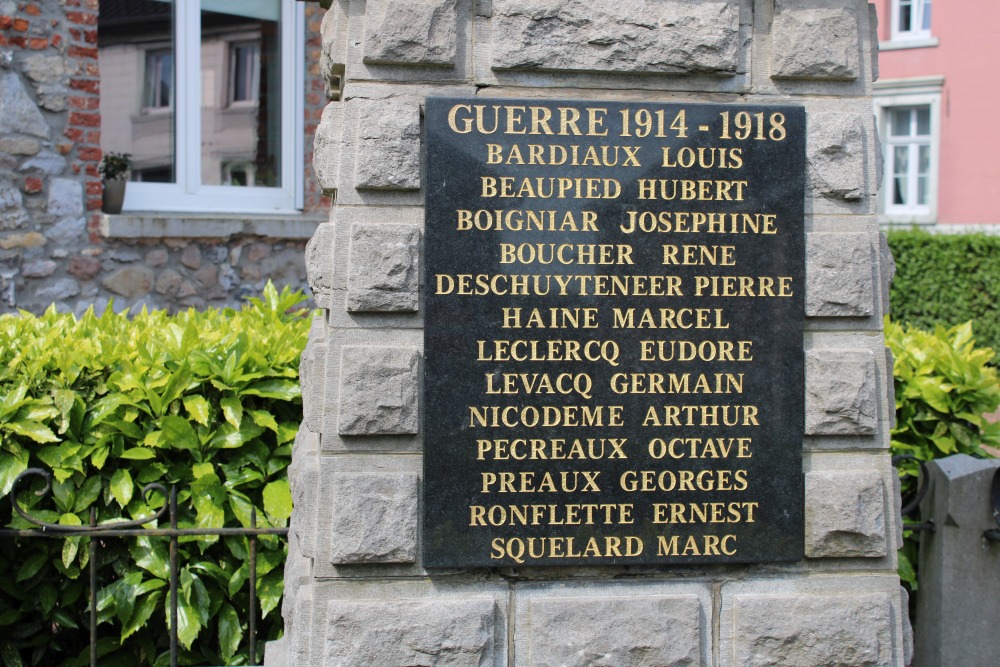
pixel 215 102
pixel 935 112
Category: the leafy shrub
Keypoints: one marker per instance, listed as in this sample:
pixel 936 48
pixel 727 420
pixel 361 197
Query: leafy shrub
pixel 947 279
pixel 207 401
pixel 944 384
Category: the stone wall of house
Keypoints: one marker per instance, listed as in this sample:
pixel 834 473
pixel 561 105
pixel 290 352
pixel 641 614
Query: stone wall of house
pixel 356 590
pixel 54 246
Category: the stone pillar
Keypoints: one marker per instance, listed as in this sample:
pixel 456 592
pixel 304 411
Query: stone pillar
pixel 356 590
pixel 959 569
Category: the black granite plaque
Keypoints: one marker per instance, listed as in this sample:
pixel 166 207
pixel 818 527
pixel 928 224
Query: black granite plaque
pixel 613 333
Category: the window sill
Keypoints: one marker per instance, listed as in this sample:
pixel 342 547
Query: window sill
pixel 900 221
pixel 152 224
pixel 914 43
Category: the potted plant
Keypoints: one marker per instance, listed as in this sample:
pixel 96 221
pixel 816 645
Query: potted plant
pixel 114 170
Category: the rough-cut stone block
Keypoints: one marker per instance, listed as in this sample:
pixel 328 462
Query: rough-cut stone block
pixel 45 68
pixel 374 518
pixel 276 653
pixel 624 36
pixel 839 275
pixel 300 633
pixel 835 154
pixel 388 150
pixel 432 633
pixel 845 514
pixel 18 112
pixel 327 148
pixel 320 264
pixel 887 270
pixel 312 374
pixel 663 631
pixel 840 392
pixel 416 32
pixel 65 198
pixel 812 630
pixel 890 389
pixel 11 211
pixel 304 479
pixel 814 39
pixel 384 271
pixel 907 627
pixel 378 390
pixel 130 281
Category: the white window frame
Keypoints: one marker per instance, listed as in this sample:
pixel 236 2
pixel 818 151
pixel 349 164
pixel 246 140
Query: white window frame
pixel 895 93
pixel 909 39
pixel 188 194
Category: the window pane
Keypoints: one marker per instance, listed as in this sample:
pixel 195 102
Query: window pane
pixel 926 22
pixel 244 72
pixel 159 79
pixel 900 123
pixel 923 121
pixel 923 174
pixel 899 169
pixel 241 93
pixel 905 15
pixel 138 85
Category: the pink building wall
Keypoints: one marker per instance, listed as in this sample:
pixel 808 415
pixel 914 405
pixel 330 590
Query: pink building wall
pixel 967 50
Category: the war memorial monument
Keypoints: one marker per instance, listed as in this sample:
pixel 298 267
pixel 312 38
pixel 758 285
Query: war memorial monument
pixel 600 377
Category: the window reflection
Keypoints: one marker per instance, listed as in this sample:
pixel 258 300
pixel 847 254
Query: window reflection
pixel 241 101
pixel 138 85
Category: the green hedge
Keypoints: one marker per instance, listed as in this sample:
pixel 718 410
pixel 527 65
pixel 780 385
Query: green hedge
pixel 207 401
pixel 947 279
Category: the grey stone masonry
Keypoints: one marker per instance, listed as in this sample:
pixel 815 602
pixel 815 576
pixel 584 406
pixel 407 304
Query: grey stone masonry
pixel 378 392
pixel 810 630
pixel 836 154
pixel 845 515
pixel 560 631
pixel 358 593
pixel 841 396
pixel 384 271
pixel 435 633
pixel 388 156
pixel 320 264
pixel 839 275
pixel 374 518
pixel 624 36
pixel 819 40
pixel 418 32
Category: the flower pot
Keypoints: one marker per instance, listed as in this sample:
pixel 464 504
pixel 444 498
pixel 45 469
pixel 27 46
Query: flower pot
pixel 113 196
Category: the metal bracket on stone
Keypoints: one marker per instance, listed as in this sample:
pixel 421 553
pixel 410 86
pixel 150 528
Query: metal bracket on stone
pixel 914 502
pixel 993 535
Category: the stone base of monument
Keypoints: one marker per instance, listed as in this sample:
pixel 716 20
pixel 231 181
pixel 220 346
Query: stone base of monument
pixel 600 377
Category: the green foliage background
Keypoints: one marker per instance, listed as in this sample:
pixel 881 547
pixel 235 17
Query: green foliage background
pixel 207 401
pixel 947 279
pixel 944 384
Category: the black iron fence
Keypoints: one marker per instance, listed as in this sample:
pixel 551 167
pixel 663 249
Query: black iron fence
pixel 134 528
pixel 910 503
